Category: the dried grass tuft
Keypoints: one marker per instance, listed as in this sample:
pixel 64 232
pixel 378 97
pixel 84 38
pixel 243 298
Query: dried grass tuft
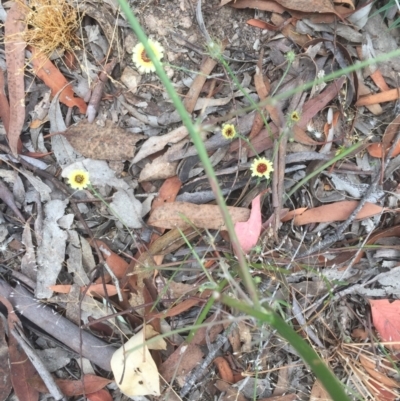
pixel 51 25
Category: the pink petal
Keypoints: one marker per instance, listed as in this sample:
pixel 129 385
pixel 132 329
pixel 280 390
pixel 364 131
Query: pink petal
pixel 249 231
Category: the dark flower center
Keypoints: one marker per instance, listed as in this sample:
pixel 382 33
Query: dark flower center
pixel 79 178
pixel 229 132
pixel 262 168
pixel 144 57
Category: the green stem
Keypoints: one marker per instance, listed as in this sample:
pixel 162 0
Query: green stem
pixel 198 143
pixel 205 311
pixel 320 369
pixel 340 156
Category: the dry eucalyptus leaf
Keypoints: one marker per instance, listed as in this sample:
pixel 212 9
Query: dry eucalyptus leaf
pixel 51 252
pixel 134 369
pixel 159 343
pixel 127 209
pixel 179 214
pixel 102 143
pixel 157 143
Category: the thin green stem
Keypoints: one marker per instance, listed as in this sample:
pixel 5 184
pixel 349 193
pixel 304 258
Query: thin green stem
pixel 198 143
pixel 289 64
pixel 205 311
pixel 320 369
pixel 340 156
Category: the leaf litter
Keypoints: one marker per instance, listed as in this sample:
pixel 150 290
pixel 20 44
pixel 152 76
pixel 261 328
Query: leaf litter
pixel 145 245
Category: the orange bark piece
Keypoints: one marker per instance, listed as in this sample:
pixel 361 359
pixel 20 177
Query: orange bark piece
pixel 387 96
pixel 178 309
pixel 224 370
pixel 338 211
pixel 380 149
pixel 70 388
pixel 94 289
pixel 118 265
pixel 262 24
pixel 380 82
pixel 100 395
pixel 56 81
pixel 293 213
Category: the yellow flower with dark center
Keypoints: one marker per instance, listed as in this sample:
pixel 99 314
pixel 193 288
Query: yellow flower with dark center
pixel 228 131
pixel 261 167
pixel 142 60
pixel 294 116
pixel 78 179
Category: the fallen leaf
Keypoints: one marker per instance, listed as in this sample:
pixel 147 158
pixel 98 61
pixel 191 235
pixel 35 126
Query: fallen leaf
pixel 94 289
pixel 117 264
pixel 21 367
pixel 70 388
pixel 161 167
pixel 363 90
pixel 372 369
pixel 231 393
pixel 318 393
pixel 134 369
pixel 102 143
pixel 316 104
pixel 15 60
pixel 168 192
pixel 4 106
pixel 348 2
pixel 224 370
pixel 380 393
pixel 379 81
pixel 386 319
pixel 56 81
pixel 265 5
pixel 194 92
pixel 157 143
pixel 262 24
pixel 127 209
pixel 100 395
pixel 380 149
pixel 381 97
pixel 249 231
pixel 182 306
pixel 5 373
pixel 308 6
pixel 181 214
pixel 51 251
pixel 338 211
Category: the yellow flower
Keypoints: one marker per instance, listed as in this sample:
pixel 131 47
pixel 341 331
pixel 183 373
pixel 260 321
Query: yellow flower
pixel 294 116
pixel 78 179
pixel 229 131
pixel 261 167
pixel 142 60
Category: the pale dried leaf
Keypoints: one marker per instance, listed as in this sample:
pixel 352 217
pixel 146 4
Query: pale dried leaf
pixel 127 209
pixel 62 150
pixel 157 143
pixel 51 252
pixel 179 214
pixel 134 369
pixel 28 261
pixel 161 167
pixel 318 393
